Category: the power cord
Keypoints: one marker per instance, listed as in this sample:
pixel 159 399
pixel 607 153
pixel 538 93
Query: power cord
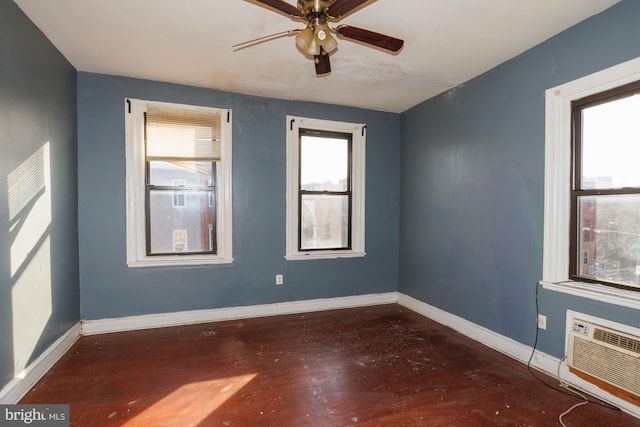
pixel 564 385
pixel 535 344
pixel 568 387
pixel 573 407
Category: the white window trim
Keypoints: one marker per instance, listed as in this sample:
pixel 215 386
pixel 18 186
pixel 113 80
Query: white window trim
pixel 557 173
pixel 358 157
pixel 135 190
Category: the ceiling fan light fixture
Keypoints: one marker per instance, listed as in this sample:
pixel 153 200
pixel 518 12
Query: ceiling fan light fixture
pixel 322 34
pixel 304 38
pixel 313 48
pixel 331 44
pixel 324 38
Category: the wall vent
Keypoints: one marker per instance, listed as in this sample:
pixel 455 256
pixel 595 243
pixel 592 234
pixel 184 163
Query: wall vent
pixel 606 357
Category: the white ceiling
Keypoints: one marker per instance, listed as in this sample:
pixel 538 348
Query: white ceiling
pixel 447 42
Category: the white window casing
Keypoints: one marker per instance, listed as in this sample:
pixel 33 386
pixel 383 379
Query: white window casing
pixel 358 156
pixel 135 192
pixel 557 188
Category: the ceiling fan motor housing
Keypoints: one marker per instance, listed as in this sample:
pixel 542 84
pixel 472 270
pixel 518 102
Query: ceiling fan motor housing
pixel 317 33
pixel 315 8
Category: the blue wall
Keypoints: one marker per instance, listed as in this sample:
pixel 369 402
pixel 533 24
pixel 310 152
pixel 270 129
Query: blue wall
pixel 472 176
pixel 111 289
pixel 39 284
pixel 454 186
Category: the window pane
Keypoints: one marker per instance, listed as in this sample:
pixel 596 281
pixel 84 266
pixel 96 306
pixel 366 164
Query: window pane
pixel 611 144
pixel 324 163
pixel 181 173
pixel 609 238
pixel 186 228
pixel 324 222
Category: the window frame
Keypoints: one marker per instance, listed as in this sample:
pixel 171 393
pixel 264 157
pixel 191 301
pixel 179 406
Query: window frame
pixel 348 136
pixel 179 192
pixel 577 190
pixel 357 177
pixel 557 185
pixel 136 218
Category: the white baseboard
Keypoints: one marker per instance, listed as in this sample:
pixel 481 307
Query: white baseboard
pixel 544 362
pixel 15 389
pixel 101 326
pixel 22 383
pixel 511 348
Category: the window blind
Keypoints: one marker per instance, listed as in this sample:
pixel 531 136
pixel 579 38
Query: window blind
pixel 182 134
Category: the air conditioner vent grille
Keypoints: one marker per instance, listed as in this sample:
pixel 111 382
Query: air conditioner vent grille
pixel 607 364
pixel 617 340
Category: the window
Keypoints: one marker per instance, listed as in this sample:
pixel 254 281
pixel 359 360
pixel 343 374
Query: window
pixel 605 194
pixel 559 228
pixel 179 196
pixel 180 240
pixel 178 184
pixel 325 189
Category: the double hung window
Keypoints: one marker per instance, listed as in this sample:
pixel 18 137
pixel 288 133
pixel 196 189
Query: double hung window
pixel 178 184
pixel 325 189
pixel 605 194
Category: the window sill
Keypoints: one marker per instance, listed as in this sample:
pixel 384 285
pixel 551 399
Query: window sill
pixel 178 260
pixel 324 255
pixel 596 292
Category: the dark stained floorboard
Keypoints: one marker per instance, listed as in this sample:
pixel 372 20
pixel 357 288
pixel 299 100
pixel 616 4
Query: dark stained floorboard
pixel 372 366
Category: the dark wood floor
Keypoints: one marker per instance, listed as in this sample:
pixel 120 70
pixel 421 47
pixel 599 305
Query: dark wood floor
pixel 374 366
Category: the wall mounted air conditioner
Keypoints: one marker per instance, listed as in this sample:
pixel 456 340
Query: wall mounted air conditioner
pixel 605 356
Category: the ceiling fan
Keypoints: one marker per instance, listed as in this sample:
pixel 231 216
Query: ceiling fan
pixel 316 37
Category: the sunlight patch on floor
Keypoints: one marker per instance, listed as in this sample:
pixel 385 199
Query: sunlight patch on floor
pixel 192 403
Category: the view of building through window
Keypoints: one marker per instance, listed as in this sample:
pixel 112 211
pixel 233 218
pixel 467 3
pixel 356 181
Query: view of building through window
pixel 608 203
pixel 181 211
pixel 325 193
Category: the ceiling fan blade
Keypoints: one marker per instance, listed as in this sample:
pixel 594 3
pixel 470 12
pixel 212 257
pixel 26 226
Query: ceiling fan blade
pixel 369 37
pixel 323 66
pixel 339 8
pixel 282 6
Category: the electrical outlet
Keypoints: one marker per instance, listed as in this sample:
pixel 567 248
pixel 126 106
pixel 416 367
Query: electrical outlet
pixel 542 321
pixel 279 279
